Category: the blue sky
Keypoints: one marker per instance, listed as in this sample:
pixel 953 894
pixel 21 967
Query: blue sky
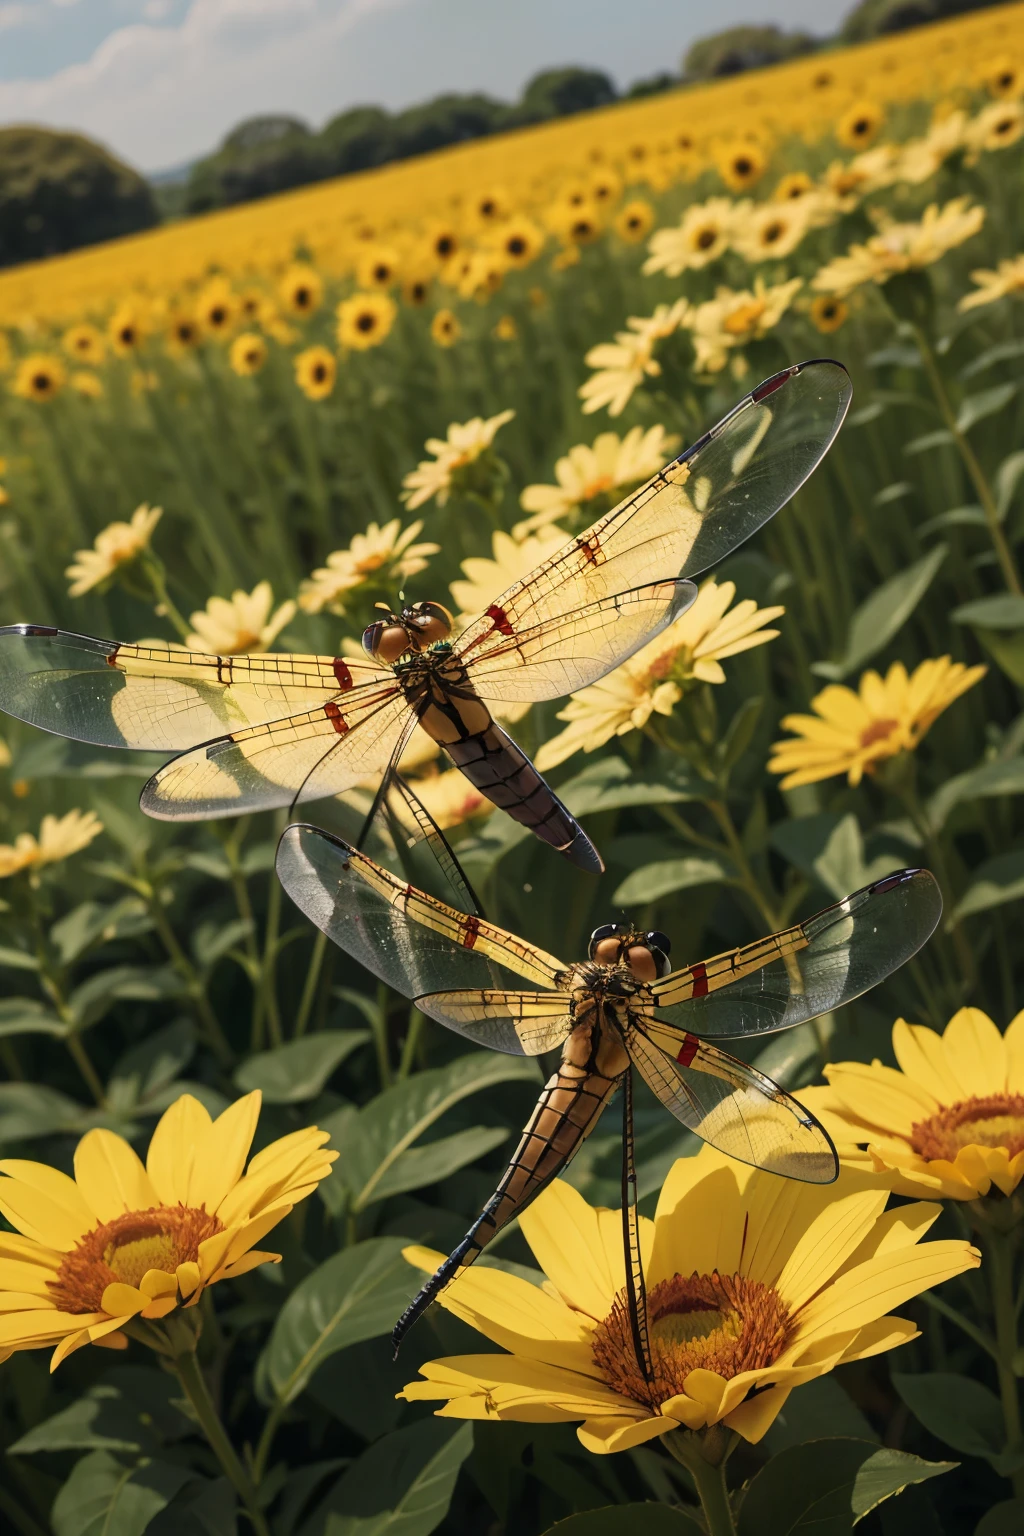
pixel 160 81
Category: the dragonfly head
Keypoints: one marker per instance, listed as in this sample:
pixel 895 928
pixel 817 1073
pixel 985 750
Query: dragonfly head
pixel 646 954
pixel 418 626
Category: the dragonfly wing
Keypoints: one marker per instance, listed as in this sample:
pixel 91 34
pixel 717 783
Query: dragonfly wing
pixel 156 697
pixel 692 513
pixel 411 941
pixel 519 1023
pixel 574 649
pixel 809 969
pixel 306 757
pixel 734 1107
pixel 412 839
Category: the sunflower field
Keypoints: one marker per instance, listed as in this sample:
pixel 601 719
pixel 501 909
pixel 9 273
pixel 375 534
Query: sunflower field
pixel 239 433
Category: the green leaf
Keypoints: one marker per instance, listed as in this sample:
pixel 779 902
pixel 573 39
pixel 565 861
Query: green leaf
pixel 147 1068
pixel 611 785
pixel 956 517
pixel 1003 776
pixel 823 1487
pixel 986 402
pixel 960 1412
pixel 31 1109
pixel 928 442
pixel 1005 610
pixel 133 1409
pixel 883 615
pixel 17 959
pixel 818 1407
pixel 92 922
pixel 357 1294
pixel 90 1001
pixel 740 733
pixel 1007 479
pixel 402 1486
pixel 429 1162
pixel 628 1520
pixel 803 839
pixel 28 1016
pixel 1002 352
pixel 211 941
pixel 107 1497
pixel 995 882
pixel 894 492
pixel 298 1070
pixel 1005 1519
pixel 656 880
pixel 372 1141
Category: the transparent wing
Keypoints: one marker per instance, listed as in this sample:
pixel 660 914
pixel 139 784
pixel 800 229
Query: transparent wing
pixel 692 513
pixel 408 939
pixel 575 649
pixel 519 1023
pixel 157 697
pixel 420 845
pixel 732 1106
pixel 306 757
pixel 811 968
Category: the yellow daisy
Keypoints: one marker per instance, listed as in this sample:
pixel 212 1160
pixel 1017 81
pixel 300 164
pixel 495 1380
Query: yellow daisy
pixel 701 236
pixel 949 1123
pixel 623 364
pixel 755 1285
pixel 465 442
pixel 231 627
pixel 857 127
pixel 445 329
pixel 1008 278
pixel 301 289
pixel 365 320
pixel 653 681
pixel 732 319
pixel 511 560
pixel 59 837
pixel 902 247
pixel 125 329
pixel 852 732
pixel 248 353
pixel 996 126
pixel 740 166
pixel 123 1240
pixel 386 553
pixel 634 221
pixel 315 372
pixel 771 231
pixel 828 314
pixel 116 545
pixel 585 475
pixel 40 376
pixel 84 344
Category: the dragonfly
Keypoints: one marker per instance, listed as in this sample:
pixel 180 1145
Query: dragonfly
pixel 256 732
pixel 621 1009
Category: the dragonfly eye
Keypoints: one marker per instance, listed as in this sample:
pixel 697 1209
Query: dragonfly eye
pixel 658 940
pixel 430 621
pixel 385 642
pixel 606 931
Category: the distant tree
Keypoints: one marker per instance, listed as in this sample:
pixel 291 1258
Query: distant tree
pixel 358 139
pixel 561 92
pixel 261 156
pixel 651 85
pixel 447 119
pixel 873 18
pixel 256 133
pixel 60 190
pixel 742 48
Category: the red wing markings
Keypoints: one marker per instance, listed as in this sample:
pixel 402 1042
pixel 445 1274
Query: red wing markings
pixel 688 1050
pixel 471 931
pixel 500 620
pixel 336 717
pixel 342 673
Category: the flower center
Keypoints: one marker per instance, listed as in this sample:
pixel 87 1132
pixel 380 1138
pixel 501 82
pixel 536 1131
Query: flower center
pixel 597 487
pixel 773 232
pixel 706 237
pixel 124 1249
pixel 994 1121
pixel 721 1323
pixel 878 730
pixel 744 318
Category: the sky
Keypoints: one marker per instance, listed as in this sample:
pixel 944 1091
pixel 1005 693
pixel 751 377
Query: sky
pixel 161 81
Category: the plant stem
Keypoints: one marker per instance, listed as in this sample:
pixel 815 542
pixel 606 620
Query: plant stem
pixel 80 1056
pixel 270 1423
pixel 194 1386
pixel 958 1319
pixel 380 1037
pixel 155 574
pixel 704 1455
pixel 411 1042
pixel 216 1037
pixel 316 961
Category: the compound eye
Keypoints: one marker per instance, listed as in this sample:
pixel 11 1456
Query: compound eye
pixel 642 962
pixel 607 951
pixel 385 642
pixel 432 620
pixel 658 940
pixel 606 931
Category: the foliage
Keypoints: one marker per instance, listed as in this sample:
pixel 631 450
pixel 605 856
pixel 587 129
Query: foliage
pixel 741 48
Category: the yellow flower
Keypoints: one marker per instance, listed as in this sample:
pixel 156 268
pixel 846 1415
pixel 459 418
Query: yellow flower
pixel 59 838
pixel 1008 278
pixel 486 578
pixel 183 333
pixel 852 733
pixel 653 680
pixel 996 126
pixel 301 289
pixel 464 444
pixel 741 165
pixel 248 353
pixel 902 247
pixel 123 1240
pixel 634 221
pixel 449 798
pixel 118 544
pixel 86 383
pixel 754 1286
pixel 40 376
pixel 315 372
pixel 416 288
pixel 217 308
pixel 243 623
pixel 921 158
pixel 84 343
pixel 585 474
pixel 857 127
pixel 949 1123
pixel 378 267
pixel 795 184
pixel 772 230
pixel 365 320
pixel 577 221
pixel 520 242
pixel 731 319
pixel 701 236
pixel 386 552
pixel 624 363
pixel 442 243
pixel 828 314
pixel 125 329
pixel 490 206
pixel 445 329
pixel 1002 76
pixel 506 329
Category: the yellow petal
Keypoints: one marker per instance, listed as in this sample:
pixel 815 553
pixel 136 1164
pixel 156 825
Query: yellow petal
pixel 67 1346
pixel 251 1260
pixel 896 1229
pixel 921 1056
pixel 225 1148
pixel 865 1293
pixel 188 1277
pixel 17 1327
pixel 684 1410
pixel 827 1243
pixel 881 1096
pixel 877 1337
pixel 565 1235
pixel 159 1307
pixel 172 1150
pixel 756 1415
pixel 25 1301
pixel 22 1275
pixel 111 1176
pixel 976 1053
pixel 700 1218
pixel 708 1389
pixel 43 1204
pixel 155 1282
pixel 602 1436
pixel 113 1340
pixel 1014 1039
pixel 120 1300
pixel 525 1388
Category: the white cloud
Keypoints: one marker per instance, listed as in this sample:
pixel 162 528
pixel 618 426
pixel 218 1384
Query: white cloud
pixel 14 16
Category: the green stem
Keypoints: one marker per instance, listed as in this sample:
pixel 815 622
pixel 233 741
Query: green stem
pixel 193 1383
pixel 216 1037
pixel 999 1265
pixel 268 976
pixel 155 574
pixel 270 1425
pixel 952 1315
pixel 411 1042
pixel 380 1037
pixel 704 1455
pixel 982 490
pixel 316 961
pixel 748 881
pixel 80 1056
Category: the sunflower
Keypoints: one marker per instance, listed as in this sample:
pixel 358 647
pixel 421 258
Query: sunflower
pixel 125 329
pixel 948 1123
pixel 604 187
pixel 123 1240
pixel 248 353
pixel 754 1285
pixel 386 554
pixel 771 231
pixel 464 444
pixel 996 127
pixel 116 545
pixel 520 242
pixel 634 221
pixel 701 236
pixel 588 477
pixel 653 680
pixel 852 732
pixel 40 376
pixel 416 288
pixel 442 242
pixel 86 383
pixel 231 627
pixel 315 372
pixel 217 308
pixel 1002 76
pixel 511 560
pixel 59 838
pixel 445 329
pixel 84 344
pixel 490 206
pixel 741 166
pixel 300 289
pixel 365 320
pixel 183 333
pixel 828 314
pixel 378 267
pixel 794 185
pixel 858 127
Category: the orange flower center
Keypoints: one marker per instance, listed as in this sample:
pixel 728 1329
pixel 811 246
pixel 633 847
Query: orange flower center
pixel 597 487
pixel 994 1121
pixel 722 1323
pixel 878 730
pixel 124 1249
pixel 744 318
